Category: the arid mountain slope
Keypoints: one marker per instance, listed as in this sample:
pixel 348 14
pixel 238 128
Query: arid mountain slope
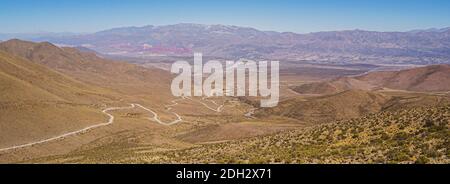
pixel 37 102
pixel 334 86
pixel 344 105
pixel 23 74
pixel 434 78
pixel 419 135
pixel 49 91
pixel 121 77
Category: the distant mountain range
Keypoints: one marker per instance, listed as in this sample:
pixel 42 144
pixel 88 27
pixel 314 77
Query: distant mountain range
pixel 431 30
pixel 31 36
pixel 355 46
pixel 431 46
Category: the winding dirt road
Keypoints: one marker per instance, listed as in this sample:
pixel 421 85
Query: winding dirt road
pixel 218 109
pixel 156 118
pixel 105 111
pixel 111 121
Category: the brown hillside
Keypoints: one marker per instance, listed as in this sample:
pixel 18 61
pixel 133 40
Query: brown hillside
pixel 36 102
pixel 48 91
pixel 435 78
pixel 122 77
pixel 334 86
pixel 344 105
pixel 418 135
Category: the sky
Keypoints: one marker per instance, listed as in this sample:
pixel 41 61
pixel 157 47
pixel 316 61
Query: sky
pixel 301 16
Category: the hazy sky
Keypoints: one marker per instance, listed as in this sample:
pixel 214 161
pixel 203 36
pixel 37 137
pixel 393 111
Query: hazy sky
pixel 288 15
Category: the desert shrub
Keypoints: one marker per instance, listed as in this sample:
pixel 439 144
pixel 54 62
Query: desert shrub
pixel 385 136
pixel 401 136
pixel 422 160
pixel 398 155
pixel 432 153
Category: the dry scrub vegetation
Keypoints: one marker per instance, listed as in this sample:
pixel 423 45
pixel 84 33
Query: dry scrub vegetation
pixel 417 135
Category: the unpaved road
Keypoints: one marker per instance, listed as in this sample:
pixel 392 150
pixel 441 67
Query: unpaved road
pixel 111 120
pixel 218 109
pixel 156 118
